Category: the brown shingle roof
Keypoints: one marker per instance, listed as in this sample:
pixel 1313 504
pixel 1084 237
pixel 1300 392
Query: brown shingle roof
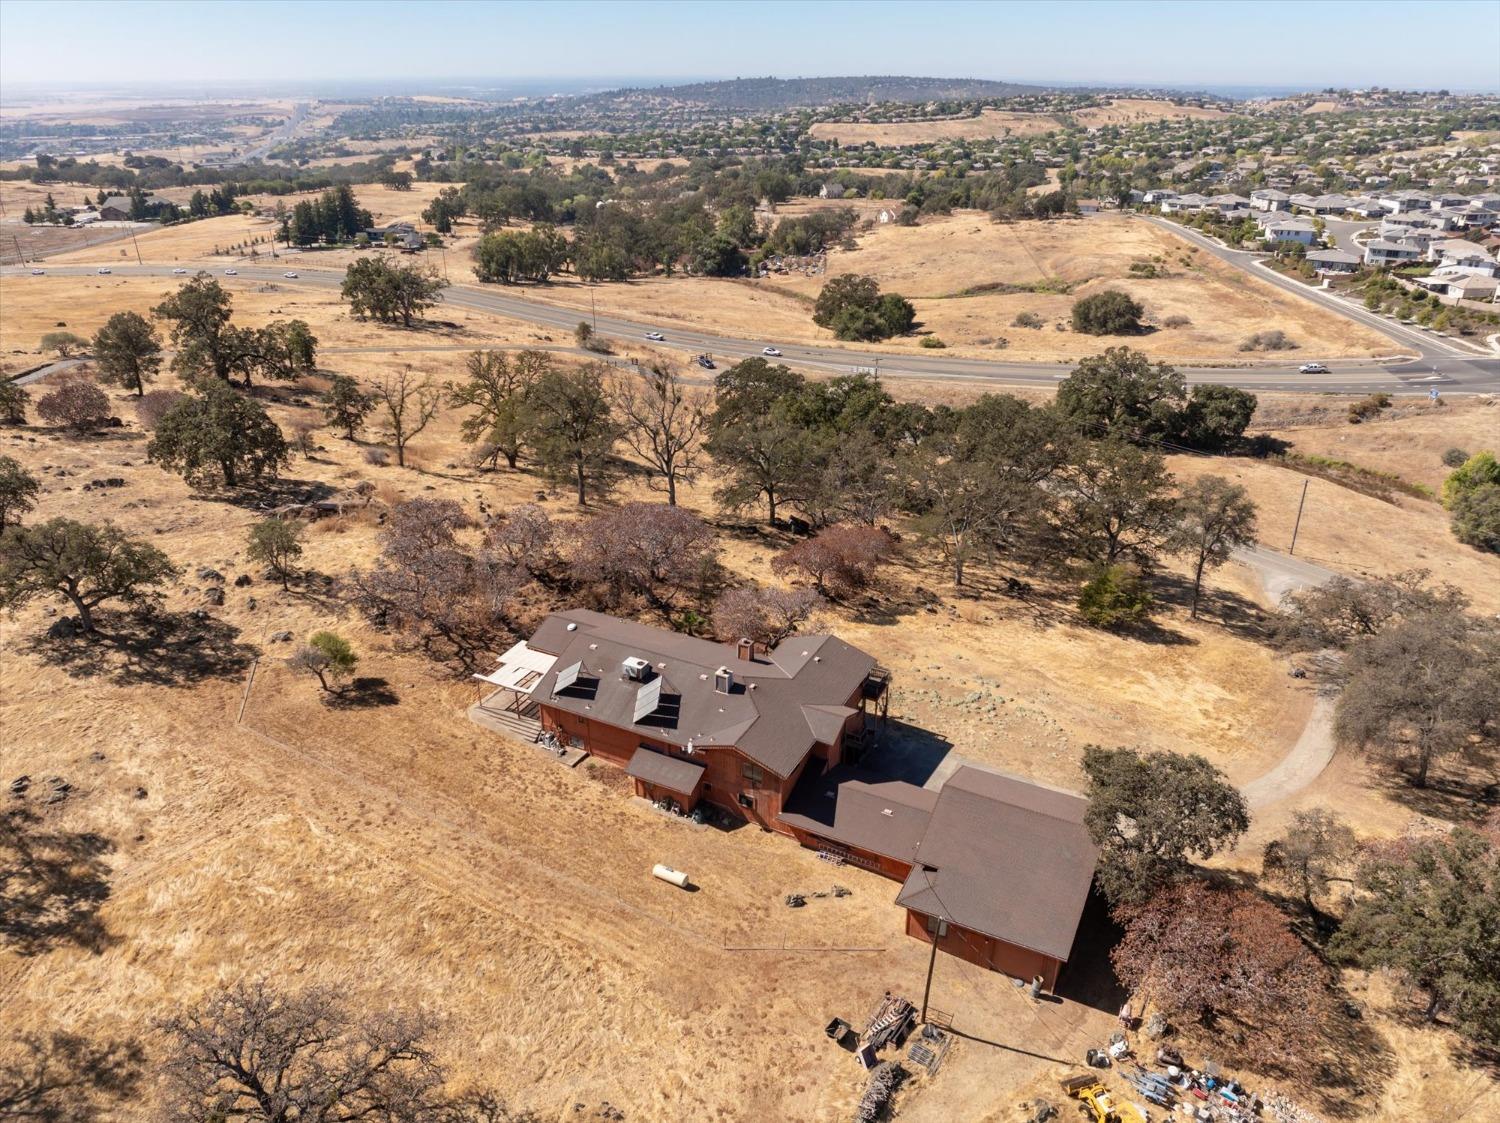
pixel 664 771
pixel 859 809
pixel 763 715
pixel 1007 858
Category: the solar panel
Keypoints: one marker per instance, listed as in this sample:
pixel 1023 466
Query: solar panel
pixel 567 677
pixel 647 699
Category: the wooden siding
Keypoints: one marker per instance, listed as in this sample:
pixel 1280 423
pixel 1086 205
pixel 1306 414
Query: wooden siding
pixel 988 952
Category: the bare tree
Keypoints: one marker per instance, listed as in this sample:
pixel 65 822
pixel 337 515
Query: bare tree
pixel 664 422
pixel 523 537
pixel 410 404
pixel 648 549
pixel 251 1053
pixel 766 616
pixel 75 402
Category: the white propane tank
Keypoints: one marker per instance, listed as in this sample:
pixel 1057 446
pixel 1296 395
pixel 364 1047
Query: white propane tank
pixel 667 873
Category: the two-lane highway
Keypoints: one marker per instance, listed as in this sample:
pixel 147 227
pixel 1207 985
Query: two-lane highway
pixel 1445 371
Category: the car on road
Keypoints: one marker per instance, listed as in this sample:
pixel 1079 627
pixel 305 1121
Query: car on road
pixel 772 351
pixel 292 273
pixel 231 272
pixel 103 269
pixel 705 362
pixel 179 269
pixel 655 336
pixel 1312 368
pixel 38 272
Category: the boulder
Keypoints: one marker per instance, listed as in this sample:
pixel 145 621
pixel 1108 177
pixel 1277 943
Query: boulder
pixel 242 580
pixel 214 595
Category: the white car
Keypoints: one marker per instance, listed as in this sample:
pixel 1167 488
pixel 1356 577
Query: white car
pixel 1312 368
pixel 38 272
pixel 231 272
pixel 103 269
pixel 179 269
pixel 290 273
pixel 772 351
pixel 655 336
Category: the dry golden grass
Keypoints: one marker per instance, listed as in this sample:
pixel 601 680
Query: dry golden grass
pixel 989 123
pixel 932 263
pixel 1140 110
pixel 405 856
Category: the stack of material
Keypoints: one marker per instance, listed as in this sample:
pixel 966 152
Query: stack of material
pixel 889 1022
pixel 885 1078
pixel 1283 1110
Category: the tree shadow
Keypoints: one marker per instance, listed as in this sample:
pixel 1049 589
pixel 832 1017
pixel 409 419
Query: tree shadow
pixel 267 495
pixel 1356 1060
pixel 1236 613
pixel 53 882
pixel 65 1077
pixel 1459 799
pixel 149 648
pixel 363 693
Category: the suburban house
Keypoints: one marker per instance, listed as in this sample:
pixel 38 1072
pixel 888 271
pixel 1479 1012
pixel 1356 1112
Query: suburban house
pixel 1463 257
pixel 1333 261
pixel 1180 204
pixel 1453 285
pixel 1269 199
pixel 1290 230
pixel 1399 202
pixel 831 191
pixel 117 208
pixel 1383 253
pixel 993 868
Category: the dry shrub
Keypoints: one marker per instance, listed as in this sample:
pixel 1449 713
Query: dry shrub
pixel 839 559
pixel 377 456
pixel 152 406
pixel 75 402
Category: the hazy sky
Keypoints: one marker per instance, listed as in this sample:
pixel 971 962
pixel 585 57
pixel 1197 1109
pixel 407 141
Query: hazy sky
pixel 1427 44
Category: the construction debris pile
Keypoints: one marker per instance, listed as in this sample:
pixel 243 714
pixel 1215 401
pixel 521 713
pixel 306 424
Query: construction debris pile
pixel 797 900
pixel 885 1078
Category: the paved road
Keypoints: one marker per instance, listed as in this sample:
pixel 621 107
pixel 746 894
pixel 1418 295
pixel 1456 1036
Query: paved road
pixel 1449 372
pixel 51 368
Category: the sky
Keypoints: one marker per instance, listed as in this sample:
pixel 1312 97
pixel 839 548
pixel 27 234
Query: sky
pixel 1453 44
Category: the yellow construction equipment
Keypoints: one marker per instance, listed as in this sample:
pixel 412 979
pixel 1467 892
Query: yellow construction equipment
pixel 1096 1099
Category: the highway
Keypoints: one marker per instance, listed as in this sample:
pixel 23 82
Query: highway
pixel 1437 365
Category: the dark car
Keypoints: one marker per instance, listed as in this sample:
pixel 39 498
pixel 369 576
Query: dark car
pixel 705 362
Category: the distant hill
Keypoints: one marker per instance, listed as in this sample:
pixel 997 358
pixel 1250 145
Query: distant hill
pixel 792 93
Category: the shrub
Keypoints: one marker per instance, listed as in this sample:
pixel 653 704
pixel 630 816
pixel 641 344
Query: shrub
pixel 1368 407
pixel 1115 597
pixel 1454 458
pixel 1107 313
pixel 152 406
pixel 854 309
pixel 377 456
pixel 1476 517
pixel 1027 320
pixel 1273 340
pixel 1178 321
pixel 932 343
pixel 13 402
pixel 76 403
pixel 839 559
pixel 63 342
pixel 1145 270
pixel 1473 473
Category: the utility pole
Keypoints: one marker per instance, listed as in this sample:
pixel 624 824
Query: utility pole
pixel 137 246
pixel 1296 526
pixel 593 310
pixel 938 931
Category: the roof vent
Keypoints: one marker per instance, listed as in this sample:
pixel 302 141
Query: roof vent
pixel 723 680
pixel 886 811
pixel 572 627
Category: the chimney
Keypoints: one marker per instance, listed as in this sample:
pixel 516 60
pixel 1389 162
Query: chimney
pixel 746 649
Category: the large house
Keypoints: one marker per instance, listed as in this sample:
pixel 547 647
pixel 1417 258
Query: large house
pixel 994 868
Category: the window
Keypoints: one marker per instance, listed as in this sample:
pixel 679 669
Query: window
pixel 746 801
pixel 754 774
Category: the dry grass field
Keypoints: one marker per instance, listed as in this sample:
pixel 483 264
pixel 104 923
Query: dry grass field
pixel 1138 111
pixel 406 856
pixel 896 134
pixel 935 263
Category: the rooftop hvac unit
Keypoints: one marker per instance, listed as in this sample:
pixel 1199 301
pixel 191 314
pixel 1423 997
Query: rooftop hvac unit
pixel 635 668
pixel 723 680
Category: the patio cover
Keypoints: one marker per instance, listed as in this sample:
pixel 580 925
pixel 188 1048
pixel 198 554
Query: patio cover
pixel 520 669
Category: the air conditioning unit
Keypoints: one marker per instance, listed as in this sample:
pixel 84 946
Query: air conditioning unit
pixel 723 680
pixel 635 668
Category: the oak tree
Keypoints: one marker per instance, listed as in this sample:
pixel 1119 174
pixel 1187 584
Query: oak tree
pixel 82 563
pixel 127 352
